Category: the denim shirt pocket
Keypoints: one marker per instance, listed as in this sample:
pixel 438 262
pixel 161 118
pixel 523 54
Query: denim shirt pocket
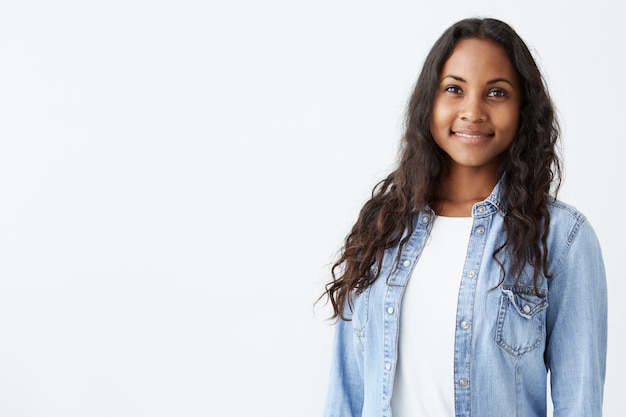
pixel 360 316
pixel 521 319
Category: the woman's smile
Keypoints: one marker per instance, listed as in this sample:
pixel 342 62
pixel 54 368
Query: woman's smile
pixel 472 136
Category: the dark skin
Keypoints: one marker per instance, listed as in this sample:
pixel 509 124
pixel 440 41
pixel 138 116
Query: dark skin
pixel 464 187
pixel 475 120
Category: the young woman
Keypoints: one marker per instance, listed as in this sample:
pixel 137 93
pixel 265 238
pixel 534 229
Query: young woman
pixel 464 281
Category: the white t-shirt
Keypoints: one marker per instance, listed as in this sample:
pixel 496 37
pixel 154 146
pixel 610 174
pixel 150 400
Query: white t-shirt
pixel 424 380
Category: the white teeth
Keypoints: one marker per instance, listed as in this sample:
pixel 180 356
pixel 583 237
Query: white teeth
pixel 469 136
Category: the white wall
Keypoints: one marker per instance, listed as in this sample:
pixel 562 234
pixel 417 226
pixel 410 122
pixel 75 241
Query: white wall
pixel 176 177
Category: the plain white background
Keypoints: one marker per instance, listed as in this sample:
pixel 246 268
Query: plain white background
pixel 177 177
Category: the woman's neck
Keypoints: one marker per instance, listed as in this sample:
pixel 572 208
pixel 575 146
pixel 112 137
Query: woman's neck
pixel 462 188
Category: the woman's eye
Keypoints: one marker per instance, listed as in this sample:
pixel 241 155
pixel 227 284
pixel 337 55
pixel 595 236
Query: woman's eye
pixel 497 93
pixel 453 89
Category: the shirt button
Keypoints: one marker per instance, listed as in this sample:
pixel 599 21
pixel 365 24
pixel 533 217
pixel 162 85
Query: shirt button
pixel 463 382
pixel 464 324
pixel 388 366
pixel 425 219
pixel 526 309
pixel 390 310
pixel 481 209
pixel 471 274
pixel 406 263
pixel 480 230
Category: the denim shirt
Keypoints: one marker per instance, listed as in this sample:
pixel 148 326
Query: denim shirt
pixel 506 339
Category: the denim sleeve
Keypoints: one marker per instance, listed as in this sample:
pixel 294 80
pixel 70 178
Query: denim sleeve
pixel 577 326
pixel 345 389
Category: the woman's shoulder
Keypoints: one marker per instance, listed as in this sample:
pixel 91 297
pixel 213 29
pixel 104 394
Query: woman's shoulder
pixel 564 215
pixel 559 207
pixel 568 224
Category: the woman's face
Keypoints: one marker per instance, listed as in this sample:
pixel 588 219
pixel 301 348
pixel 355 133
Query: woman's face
pixel 476 110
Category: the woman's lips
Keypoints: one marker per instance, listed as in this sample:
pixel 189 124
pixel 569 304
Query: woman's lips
pixel 472 137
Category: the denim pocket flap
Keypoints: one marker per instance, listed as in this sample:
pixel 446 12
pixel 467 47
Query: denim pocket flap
pixel 525 301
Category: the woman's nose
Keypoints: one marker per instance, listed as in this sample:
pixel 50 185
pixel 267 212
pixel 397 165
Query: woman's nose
pixel 472 110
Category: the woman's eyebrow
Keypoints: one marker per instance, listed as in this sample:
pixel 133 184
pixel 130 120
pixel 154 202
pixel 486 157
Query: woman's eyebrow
pixel 454 77
pixel 494 81
pixel 497 80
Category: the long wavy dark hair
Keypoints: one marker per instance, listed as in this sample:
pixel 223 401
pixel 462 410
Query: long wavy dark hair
pixel 531 165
